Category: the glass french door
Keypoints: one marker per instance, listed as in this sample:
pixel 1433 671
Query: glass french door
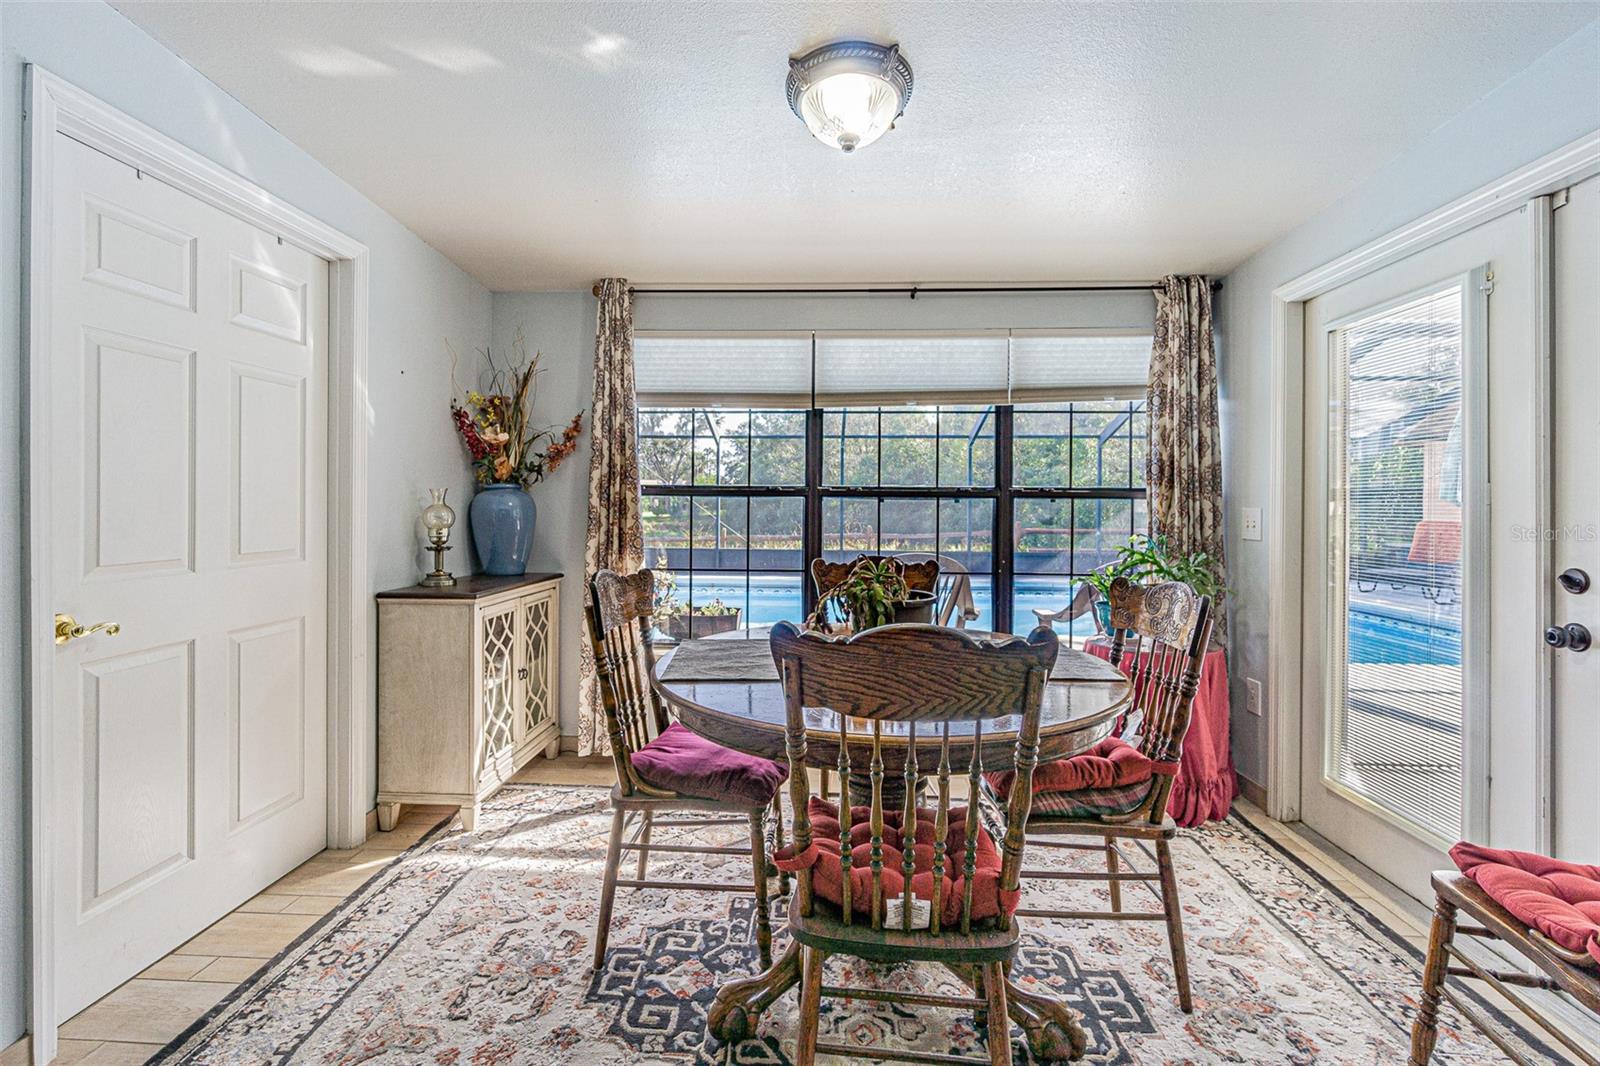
pixel 1396 476
pixel 1402 566
pixel 1572 536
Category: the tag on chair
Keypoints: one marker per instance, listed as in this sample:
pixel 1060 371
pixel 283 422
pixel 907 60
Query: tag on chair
pixel 896 913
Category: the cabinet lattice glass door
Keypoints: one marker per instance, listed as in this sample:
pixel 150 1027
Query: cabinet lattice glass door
pixel 499 679
pixel 536 702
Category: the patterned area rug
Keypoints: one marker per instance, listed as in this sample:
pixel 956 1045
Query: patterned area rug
pixel 474 949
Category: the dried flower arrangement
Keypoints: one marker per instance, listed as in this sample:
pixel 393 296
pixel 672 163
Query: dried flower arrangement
pixel 495 423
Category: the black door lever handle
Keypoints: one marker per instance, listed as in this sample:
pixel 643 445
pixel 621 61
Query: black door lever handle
pixel 1573 636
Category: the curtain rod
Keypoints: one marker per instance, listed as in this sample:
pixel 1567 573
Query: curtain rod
pixel 897 290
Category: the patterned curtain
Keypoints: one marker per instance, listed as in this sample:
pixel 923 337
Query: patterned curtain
pixel 1185 460
pixel 616 529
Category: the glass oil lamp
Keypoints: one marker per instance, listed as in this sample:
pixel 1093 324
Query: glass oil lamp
pixel 437 518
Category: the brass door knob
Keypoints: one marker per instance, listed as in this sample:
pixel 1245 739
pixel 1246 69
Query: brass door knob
pixel 68 628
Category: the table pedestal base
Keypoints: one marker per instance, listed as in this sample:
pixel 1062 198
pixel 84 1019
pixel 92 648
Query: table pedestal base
pixel 894 790
pixel 738 1004
pixel 1051 1028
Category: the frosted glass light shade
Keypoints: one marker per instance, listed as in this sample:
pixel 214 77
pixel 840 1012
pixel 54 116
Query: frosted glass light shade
pixel 849 111
pixel 849 93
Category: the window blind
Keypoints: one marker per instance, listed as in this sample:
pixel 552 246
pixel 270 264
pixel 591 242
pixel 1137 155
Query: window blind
pixel 863 369
pixel 1078 366
pixel 771 370
pixel 1396 485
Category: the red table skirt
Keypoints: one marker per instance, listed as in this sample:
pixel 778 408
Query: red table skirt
pixel 1206 783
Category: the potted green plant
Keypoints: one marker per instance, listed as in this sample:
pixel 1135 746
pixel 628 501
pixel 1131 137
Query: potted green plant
pixel 1149 559
pixel 681 623
pixel 873 593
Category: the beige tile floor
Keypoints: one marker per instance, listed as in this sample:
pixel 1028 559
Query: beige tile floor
pixel 132 1022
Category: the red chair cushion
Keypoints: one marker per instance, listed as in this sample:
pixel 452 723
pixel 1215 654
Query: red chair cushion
pixel 1089 802
pixel 827 871
pixel 1112 763
pixel 1560 899
pixel 691 765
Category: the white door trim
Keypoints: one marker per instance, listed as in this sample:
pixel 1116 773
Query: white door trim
pixel 55 106
pixel 1565 166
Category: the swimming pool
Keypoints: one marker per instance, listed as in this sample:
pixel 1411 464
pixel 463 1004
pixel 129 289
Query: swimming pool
pixel 773 597
pixel 1378 632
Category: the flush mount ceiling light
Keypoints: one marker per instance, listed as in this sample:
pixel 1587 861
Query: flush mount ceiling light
pixel 849 93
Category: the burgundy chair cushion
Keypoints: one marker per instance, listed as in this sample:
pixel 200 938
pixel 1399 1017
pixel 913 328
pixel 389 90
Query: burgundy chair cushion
pixel 1113 763
pixel 1560 899
pixel 827 871
pixel 689 764
pixel 1089 802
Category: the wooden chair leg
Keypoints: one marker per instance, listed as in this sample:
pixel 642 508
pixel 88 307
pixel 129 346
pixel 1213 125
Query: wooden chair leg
pixel 777 814
pixel 823 791
pixel 644 843
pixel 758 862
pixel 810 1005
pixel 1425 1030
pixel 1174 912
pixel 608 887
pixel 994 986
pixel 1112 868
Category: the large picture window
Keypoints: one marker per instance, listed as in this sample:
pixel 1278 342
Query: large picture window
pixel 739 497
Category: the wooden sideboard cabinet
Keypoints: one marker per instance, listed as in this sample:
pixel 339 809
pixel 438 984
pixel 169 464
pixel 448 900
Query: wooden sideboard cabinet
pixel 467 689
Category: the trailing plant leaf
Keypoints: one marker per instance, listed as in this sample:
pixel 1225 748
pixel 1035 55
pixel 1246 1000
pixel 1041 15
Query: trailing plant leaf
pixel 1144 560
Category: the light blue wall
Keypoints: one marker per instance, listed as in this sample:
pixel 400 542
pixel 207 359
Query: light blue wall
pixel 560 326
pixel 1551 103
pixel 418 298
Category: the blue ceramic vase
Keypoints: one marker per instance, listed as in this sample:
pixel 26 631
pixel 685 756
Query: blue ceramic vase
pixel 502 529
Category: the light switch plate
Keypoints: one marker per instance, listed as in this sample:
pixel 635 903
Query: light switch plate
pixel 1252 696
pixel 1250 523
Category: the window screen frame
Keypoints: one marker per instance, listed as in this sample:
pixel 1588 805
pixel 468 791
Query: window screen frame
pixel 1003 494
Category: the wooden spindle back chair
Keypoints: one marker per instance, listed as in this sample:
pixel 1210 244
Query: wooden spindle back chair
pixel 918 680
pixel 618 614
pixel 1570 974
pixel 619 619
pixel 921 576
pixel 1159 635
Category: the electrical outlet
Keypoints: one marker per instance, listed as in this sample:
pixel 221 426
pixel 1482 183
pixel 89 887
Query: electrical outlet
pixel 1250 523
pixel 1252 696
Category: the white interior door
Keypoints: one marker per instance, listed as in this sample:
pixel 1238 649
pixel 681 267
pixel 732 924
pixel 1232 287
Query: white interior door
pixel 1573 535
pixel 188 481
pixel 1421 647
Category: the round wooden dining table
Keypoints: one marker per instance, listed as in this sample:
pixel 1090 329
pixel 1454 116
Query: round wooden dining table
pixel 1081 706
pixel 748 715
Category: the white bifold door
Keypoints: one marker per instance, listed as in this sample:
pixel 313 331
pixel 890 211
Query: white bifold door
pixel 1450 476
pixel 188 488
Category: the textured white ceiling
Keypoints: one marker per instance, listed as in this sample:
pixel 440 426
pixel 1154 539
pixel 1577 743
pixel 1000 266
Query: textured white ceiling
pixel 543 145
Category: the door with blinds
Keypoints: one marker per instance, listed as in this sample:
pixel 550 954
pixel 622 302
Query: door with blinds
pixel 1416 649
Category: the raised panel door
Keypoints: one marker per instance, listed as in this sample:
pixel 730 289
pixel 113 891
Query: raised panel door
pixel 187 497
